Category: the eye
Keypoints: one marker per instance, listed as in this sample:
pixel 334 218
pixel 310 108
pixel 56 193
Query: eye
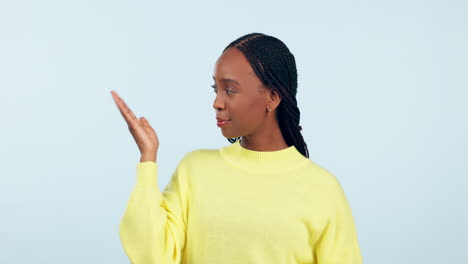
pixel 215 88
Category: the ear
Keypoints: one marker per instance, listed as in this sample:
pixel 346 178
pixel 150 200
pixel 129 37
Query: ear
pixel 273 99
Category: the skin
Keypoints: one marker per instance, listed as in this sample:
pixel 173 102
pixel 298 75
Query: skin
pixel 144 135
pixel 246 103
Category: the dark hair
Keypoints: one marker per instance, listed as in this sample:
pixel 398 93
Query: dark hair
pixel 275 66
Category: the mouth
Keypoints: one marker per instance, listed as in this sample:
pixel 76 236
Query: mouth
pixel 221 123
pixel 219 119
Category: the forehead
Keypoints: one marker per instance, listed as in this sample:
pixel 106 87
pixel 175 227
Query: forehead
pixel 234 65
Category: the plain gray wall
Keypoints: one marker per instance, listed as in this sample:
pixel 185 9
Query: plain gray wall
pixel 382 94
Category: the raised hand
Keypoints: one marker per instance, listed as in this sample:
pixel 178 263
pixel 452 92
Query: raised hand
pixel 144 135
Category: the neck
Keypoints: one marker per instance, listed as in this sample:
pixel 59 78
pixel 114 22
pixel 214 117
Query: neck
pixel 263 162
pixel 267 138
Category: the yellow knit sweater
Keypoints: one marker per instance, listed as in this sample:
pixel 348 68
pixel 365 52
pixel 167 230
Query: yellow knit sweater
pixel 234 205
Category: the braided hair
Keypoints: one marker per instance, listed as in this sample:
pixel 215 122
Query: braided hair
pixel 275 66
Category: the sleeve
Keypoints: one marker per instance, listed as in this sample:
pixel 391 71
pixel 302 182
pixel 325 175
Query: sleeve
pixel 153 227
pixel 338 241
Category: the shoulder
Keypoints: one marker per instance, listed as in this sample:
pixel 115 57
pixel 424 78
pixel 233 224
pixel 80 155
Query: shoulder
pixel 199 157
pixel 323 177
pixel 195 164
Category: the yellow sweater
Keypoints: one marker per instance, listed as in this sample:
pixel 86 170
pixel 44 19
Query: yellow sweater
pixel 234 205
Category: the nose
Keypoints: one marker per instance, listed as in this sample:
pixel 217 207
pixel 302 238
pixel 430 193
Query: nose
pixel 218 103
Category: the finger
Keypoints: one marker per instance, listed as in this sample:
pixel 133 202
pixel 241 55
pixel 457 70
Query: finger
pixel 128 115
pixel 145 124
pixel 149 129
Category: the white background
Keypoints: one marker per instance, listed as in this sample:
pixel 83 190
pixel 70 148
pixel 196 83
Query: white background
pixel 382 91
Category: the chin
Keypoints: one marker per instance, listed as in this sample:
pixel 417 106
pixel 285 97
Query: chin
pixel 227 134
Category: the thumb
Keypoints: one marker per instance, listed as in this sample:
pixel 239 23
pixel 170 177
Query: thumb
pixel 149 129
pixel 144 122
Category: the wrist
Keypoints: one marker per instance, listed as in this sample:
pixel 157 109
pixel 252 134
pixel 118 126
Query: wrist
pixel 148 157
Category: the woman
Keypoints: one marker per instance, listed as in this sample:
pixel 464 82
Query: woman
pixel 258 200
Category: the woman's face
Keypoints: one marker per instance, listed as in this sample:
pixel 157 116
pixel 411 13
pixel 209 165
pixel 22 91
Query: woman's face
pixel 240 95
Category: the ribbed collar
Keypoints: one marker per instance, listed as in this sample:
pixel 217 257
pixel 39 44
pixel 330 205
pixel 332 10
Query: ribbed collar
pixel 269 162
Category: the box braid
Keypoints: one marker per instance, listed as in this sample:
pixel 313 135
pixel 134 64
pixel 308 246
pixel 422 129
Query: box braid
pixel 275 66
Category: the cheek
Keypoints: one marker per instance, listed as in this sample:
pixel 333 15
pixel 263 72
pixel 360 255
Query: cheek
pixel 247 113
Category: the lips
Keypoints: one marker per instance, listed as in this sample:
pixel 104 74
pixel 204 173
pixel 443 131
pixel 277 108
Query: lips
pixel 221 122
pixel 222 119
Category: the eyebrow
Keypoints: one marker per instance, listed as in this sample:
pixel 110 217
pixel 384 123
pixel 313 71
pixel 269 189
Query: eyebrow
pixel 227 80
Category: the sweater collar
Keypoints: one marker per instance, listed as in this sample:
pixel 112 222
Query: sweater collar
pixel 263 161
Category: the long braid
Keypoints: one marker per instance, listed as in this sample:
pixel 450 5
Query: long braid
pixel 275 66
